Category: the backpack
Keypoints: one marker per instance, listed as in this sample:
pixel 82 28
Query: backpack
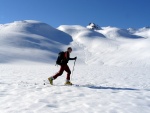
pixel 60 58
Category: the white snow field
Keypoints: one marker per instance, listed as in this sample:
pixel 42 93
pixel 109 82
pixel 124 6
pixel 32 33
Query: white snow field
pixel 111 74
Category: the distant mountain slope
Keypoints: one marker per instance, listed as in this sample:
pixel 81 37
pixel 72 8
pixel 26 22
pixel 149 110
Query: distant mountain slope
pixel 30 40
pixel 112 46
pixel 35 41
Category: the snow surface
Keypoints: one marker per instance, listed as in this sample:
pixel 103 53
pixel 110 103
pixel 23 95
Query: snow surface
pixel 111 72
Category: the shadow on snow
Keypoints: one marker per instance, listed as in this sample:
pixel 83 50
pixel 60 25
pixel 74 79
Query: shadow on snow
pixel 112 88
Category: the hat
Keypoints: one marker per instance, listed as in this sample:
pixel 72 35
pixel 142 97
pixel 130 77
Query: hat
pixel 69 48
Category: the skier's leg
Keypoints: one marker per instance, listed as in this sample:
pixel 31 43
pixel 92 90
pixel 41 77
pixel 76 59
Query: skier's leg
pixel 67 69
pixel 60 72
pixel 62 68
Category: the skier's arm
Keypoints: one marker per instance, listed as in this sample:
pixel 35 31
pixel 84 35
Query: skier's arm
pixel 71 58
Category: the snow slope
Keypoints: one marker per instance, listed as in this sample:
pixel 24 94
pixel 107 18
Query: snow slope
pixel 107 46
pixel 103 89
pixel 111 72
pixel 18 40
pixel 112 46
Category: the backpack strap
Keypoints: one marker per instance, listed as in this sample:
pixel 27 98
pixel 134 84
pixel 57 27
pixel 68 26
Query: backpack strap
pixel 65 55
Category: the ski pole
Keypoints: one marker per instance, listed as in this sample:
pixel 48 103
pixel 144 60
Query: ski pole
pixel 73 68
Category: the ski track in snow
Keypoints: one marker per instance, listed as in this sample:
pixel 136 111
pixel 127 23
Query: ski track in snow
pixel 102 89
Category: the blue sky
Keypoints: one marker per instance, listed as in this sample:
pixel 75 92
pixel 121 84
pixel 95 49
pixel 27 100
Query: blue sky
pixel 117 13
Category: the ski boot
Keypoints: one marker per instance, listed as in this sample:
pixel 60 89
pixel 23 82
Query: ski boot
pixel 68 83
pixel 50 79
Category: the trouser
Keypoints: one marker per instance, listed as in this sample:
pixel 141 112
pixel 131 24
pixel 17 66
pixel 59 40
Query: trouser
pixel 62 69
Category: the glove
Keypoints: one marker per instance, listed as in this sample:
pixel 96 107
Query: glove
pixel 75 58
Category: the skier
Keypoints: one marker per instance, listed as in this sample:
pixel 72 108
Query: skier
pixel 64 67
